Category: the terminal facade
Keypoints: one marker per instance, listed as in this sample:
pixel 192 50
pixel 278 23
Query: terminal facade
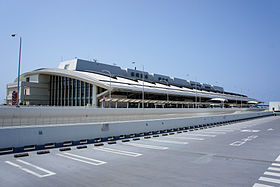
pixel 80 82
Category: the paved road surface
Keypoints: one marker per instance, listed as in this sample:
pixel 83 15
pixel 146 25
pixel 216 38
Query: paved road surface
pixel 240 154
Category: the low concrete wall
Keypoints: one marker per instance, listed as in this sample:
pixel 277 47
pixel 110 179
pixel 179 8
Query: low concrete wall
pixel 22 136
pixel 30 116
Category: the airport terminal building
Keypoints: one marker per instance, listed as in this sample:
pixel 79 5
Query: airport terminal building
pixel 80 82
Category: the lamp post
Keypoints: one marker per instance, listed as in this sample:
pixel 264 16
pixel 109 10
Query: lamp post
pixel 241 98
pixel 167 99
pixel 223 102
pixel 110 96
pixel 19 59
pixel 143 99
pixel 195 101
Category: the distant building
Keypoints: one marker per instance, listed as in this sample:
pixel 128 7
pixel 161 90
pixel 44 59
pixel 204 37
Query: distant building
pixel 85 83
pixel 274 106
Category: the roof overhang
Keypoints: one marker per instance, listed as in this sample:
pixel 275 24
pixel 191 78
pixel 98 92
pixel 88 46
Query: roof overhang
pixel 120 83
pixel 219 99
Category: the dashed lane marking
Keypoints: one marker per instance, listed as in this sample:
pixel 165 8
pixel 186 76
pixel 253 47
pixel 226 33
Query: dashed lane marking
pixel 210 132
pixel 82 159
pixel 168 141
pixel 220 130
pixel 209 135
pixel 120 152
pixel 249 130
pixel 49 173
pixel 145 146
pixel 186 138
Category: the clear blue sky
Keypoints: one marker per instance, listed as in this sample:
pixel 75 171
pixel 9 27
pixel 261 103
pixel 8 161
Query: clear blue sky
pixel 233 42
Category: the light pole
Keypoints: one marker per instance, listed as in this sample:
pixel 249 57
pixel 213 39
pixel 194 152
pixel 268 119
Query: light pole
pixel 167 99
pixel 223 101
pixel 195 102
pixel 241 98
pixel 110 96
pixel 143 99
pixel 19 59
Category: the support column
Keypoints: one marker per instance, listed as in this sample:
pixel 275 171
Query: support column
pixel 55 91
pixel 64 88
pixel 75 90
pixel 51 89
pixel 61 92
pixel 94 96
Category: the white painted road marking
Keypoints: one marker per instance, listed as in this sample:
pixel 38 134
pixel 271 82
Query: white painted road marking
pixel 120 152
pixel 220 130
pixel 261 185
pixel 274 164
pixel 91 161
pixel 272 174
pixel 168 141
pixel 278 159
pixel 210 132
pixel 270 129
pixel 209 135
pixel 186 138
pixel 266 179
pixel 145 146
pixel 249 130
pixel 273 169
pixel 49 173
pixel 243 141
pixel 237 143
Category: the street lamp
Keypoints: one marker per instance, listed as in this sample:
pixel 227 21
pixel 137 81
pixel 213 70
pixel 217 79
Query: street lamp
pixel 195 90
pixel 223 94
pixel 162 80
pixel 241 98
pixel 110 86
pixel 19 59
pixel 143 99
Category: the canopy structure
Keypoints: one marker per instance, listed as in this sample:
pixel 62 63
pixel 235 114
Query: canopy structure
pixel 219 99
pixel 253 102
pixel 97 85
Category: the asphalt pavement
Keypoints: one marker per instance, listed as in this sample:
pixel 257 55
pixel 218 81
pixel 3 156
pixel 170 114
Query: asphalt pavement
pixel 238 154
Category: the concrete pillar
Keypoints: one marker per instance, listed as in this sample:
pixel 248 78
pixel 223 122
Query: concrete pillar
pixel 61 96
pixel 50 90
pixel 88 93
pixel 94 97
pixel 55 93
pixel 75 90
pixel 64 87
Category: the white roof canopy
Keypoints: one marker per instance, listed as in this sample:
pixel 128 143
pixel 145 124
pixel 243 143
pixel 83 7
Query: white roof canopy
pixel 218 99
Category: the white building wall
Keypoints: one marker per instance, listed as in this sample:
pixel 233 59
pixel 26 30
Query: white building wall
pixel 274 105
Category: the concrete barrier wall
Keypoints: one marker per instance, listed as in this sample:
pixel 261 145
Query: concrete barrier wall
pixel 29 112
pixel 22 136
pixel 23 116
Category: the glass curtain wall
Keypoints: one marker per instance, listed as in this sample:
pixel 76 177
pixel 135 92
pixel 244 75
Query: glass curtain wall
pixel 66 91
